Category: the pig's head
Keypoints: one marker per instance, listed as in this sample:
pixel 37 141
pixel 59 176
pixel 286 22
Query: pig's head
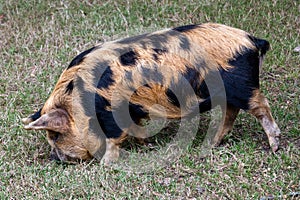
pixel 66 141
pixel 70 142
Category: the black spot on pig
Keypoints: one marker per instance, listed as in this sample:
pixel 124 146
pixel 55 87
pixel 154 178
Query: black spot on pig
pixel 185 28
pixel 70 87
pixel 128 58
pixel 78 59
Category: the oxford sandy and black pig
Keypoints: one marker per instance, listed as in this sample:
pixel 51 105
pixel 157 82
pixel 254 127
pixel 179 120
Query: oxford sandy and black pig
pixel 109 89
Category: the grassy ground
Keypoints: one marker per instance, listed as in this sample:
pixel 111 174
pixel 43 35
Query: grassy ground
pixel 38 39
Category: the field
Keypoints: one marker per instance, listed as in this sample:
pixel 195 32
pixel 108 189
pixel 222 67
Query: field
pixel 38 39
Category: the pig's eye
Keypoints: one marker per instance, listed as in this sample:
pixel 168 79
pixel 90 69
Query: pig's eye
pixel 54 136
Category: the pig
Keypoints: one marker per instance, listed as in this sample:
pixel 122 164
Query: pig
pixel 107 90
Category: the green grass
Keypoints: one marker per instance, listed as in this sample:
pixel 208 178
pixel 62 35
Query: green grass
pixel 38 39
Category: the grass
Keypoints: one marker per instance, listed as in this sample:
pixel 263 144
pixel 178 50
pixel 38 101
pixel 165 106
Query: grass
pixel 38 39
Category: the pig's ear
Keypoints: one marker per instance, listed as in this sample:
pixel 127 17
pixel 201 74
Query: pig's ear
pixel 55 120
pixel 31 118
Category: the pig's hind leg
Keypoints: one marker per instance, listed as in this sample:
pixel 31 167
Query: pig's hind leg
pixel 231 113
pixel 259 107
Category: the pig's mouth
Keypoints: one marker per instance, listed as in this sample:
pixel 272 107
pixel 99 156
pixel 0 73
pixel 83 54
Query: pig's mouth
pixel 57 155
